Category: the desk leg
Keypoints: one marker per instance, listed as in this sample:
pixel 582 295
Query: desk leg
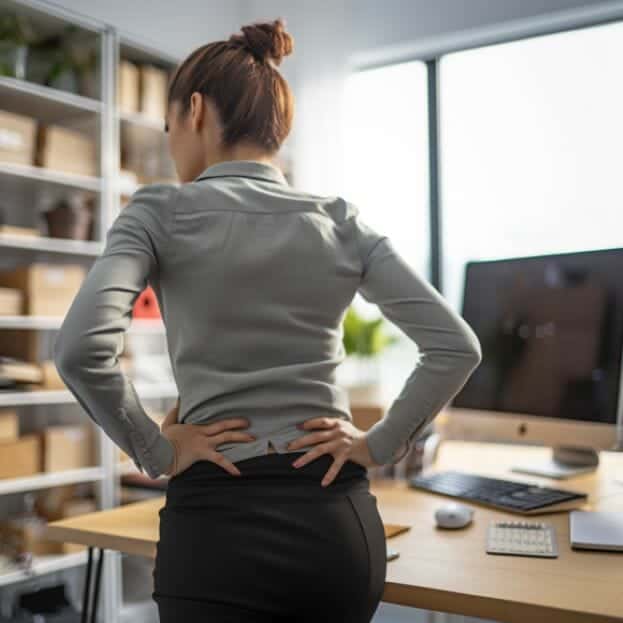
pixel 87 587
pixel 85 591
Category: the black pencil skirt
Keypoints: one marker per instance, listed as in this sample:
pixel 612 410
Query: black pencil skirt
pixel 270 545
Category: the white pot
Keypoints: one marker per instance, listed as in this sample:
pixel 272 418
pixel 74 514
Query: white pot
pixel 361 376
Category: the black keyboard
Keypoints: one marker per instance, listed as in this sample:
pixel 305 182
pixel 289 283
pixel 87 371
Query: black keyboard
pixel 518 497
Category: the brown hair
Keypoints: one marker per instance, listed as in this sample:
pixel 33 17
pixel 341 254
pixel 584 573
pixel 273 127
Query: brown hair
pixel 253 99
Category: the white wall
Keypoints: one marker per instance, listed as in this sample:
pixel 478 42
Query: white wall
pixel 175 26
pixel 327 34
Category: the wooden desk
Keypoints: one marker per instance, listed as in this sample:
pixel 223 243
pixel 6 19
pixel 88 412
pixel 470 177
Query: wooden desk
pixel 441 570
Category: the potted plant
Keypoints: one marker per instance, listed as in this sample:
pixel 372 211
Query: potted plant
pixel 66 61
pixel 16 33
pixel 363 341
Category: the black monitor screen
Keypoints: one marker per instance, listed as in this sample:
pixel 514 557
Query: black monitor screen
pixel 551 331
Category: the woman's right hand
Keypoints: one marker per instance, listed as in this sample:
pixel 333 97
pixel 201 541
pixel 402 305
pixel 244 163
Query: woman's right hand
pixel 195 442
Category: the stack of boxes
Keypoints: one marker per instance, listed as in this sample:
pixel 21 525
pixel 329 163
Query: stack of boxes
pixel 36 289
pixel 142 88
pixel 53 449
pixel 24 140
pixel 142 91
pixel 19 456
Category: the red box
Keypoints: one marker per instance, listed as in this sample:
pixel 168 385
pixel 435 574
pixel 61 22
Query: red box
pixel 146 305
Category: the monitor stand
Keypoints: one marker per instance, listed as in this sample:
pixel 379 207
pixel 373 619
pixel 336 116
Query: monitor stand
pixel 565 462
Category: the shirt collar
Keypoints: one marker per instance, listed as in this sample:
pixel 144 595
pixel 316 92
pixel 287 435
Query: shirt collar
pixel 244 168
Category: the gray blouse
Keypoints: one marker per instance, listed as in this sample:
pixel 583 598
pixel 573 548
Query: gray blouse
pixel 253 279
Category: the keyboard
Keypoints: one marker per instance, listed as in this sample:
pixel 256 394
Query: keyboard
pixel 520 538
pixel 516 497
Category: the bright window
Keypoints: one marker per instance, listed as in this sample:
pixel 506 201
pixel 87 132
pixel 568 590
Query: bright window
pixel 386 174
pixel 386 155
pixel 531 134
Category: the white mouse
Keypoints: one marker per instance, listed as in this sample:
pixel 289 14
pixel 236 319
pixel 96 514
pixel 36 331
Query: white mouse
pixel 453 515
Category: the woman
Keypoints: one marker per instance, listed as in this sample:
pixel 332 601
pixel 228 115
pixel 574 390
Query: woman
pixel 268 512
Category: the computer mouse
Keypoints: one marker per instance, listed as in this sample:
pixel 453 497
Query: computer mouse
pixel 453 515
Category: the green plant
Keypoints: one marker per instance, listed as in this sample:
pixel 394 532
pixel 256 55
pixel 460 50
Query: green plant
pixel 16 33
pixel 64 59
pixel 364 337
pixel 15 29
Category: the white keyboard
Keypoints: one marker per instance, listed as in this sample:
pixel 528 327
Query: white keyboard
pixel 522 538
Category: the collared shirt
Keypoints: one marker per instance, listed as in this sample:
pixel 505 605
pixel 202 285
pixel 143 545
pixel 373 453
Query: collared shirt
pixel 253 278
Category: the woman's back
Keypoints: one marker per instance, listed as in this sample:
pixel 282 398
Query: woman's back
pixel 254 280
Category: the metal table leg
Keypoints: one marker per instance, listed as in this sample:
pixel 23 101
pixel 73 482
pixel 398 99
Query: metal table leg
pixel 86 593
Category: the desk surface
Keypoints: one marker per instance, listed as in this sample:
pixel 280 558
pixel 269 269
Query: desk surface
pixel 447 570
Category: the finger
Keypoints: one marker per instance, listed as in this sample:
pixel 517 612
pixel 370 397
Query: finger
pixel 333 471
pixel 216 427
pixel 313 454
pixel 223 461
pixel 319 422
pixel 310 439
pixel 217 440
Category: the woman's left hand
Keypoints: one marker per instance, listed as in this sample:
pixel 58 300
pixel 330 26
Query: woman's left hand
pixel 339 438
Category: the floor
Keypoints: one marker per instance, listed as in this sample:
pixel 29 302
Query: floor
pixel 390 613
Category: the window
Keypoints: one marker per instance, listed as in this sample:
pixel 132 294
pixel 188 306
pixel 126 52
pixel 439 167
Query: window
pixel 386 155
pixel 385 164
pixel 530 136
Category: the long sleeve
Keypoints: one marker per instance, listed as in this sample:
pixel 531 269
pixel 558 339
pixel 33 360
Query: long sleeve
pixel 448 347
pixel 90 339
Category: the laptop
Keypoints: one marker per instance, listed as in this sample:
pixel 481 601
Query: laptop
pixel 601 530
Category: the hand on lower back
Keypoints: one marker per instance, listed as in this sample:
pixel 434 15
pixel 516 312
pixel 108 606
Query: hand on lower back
pixel 197 442
pixel 337 437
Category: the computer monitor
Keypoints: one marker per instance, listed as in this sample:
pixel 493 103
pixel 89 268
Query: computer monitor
pixel 551 331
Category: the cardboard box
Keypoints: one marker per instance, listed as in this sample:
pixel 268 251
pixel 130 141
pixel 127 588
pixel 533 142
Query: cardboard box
pixel 17 138
pixel 9 425
pixel 21 457
pixel 22 344
pixel 153 91
pixel 21 371
pixel 48 289
pixel 65 447
pixel 51 378
pixel 18 230
pixel 27 534
pixel 11 302
pixel 49 503
pixel 66 150
pixel 128 86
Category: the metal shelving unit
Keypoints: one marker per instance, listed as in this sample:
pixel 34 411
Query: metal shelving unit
pixel 51 479
pixel 43 244
pixel 43 102
pixel 107 125
pixel 23 175
pixel 43 323
pixel 42 565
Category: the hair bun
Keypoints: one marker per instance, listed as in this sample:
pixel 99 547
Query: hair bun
pixel 266 40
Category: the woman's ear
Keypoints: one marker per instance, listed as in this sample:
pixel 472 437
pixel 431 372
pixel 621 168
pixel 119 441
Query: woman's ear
pixel 197 111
